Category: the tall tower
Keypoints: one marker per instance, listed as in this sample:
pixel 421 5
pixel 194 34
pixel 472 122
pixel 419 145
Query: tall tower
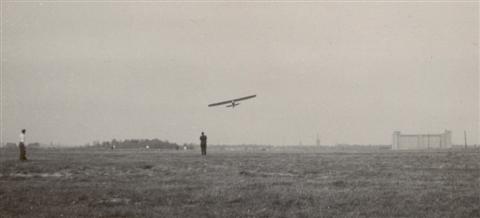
pixel 318 140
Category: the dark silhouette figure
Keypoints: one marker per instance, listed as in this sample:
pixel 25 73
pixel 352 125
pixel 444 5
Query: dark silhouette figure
pixel 203 143
pixel 21 145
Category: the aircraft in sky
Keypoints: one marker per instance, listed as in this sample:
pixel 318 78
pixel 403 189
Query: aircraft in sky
pixel 232 103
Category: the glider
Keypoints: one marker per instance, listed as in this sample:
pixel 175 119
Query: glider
pixel 232 103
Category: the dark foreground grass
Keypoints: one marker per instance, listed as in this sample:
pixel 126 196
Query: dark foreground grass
pixel 155 183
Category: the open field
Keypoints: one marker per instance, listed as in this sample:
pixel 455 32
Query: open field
pixel 156 183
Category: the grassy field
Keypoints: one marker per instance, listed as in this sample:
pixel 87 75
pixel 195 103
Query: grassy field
pixel 273 183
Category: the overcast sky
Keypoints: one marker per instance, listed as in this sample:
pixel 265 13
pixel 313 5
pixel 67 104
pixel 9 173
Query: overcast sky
pixel 73 73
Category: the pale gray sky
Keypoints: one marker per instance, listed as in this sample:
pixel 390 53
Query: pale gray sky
pixel 351 72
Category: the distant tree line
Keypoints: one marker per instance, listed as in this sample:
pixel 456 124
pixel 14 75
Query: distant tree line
pixel 15 145
pixel 140 143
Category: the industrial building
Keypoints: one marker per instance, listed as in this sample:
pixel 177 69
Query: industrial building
pixel 421 141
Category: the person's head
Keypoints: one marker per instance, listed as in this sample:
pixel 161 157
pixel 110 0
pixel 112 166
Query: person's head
pixel 202 133
pixel 24 130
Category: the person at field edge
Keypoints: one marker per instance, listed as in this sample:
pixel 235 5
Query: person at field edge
pixel 203 143
pixel 21 145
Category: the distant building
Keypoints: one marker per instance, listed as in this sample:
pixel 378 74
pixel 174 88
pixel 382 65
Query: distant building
pixel 34 145
pixel 11 145
pixel 421 141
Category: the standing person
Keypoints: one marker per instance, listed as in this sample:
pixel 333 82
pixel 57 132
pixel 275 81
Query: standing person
pixel 21 145
pixel 203 143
